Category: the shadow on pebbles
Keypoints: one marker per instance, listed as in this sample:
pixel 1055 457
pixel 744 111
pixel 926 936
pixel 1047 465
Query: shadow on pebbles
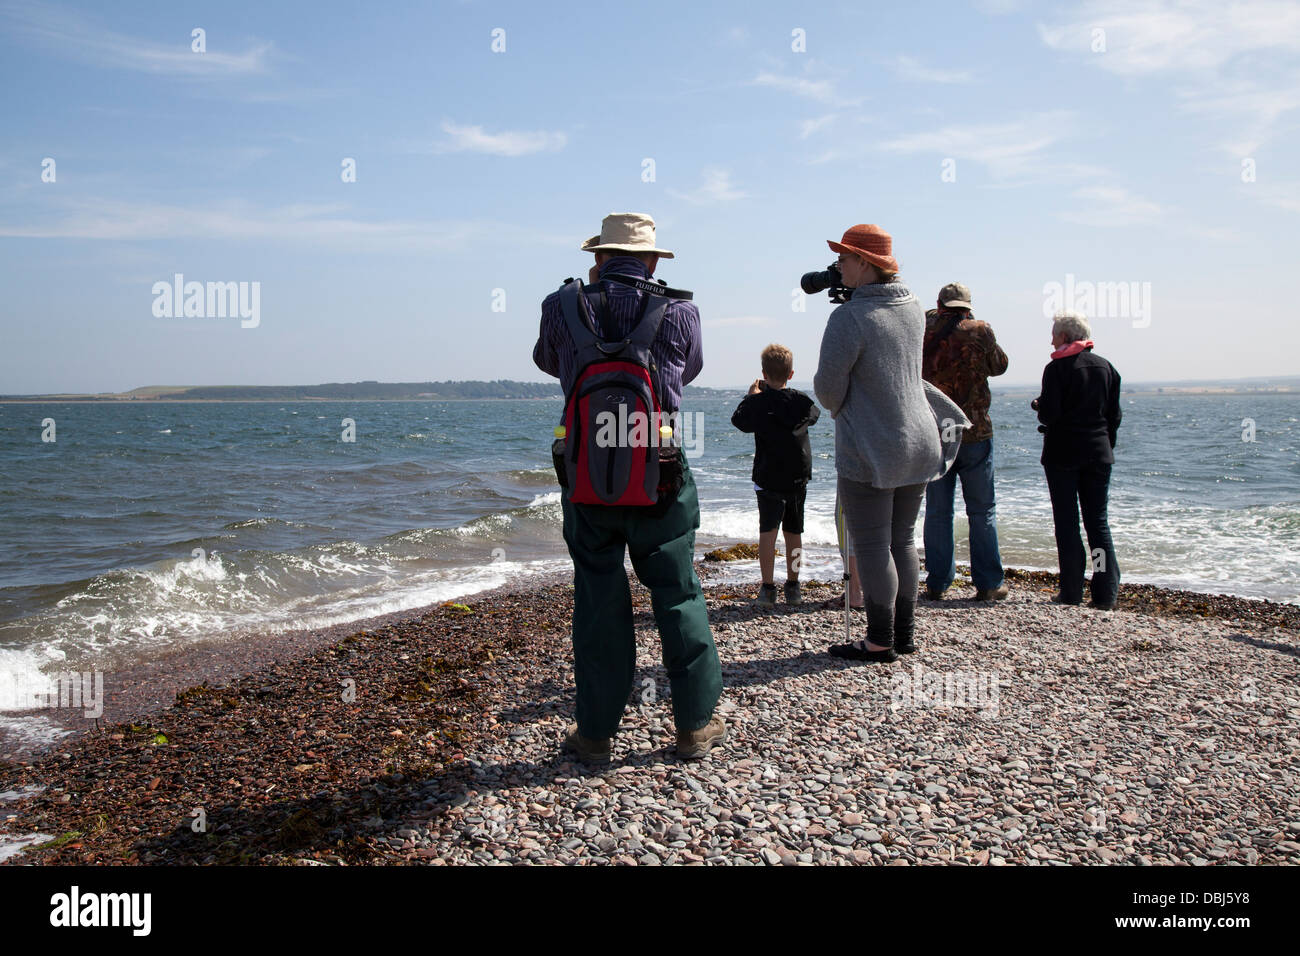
pixel 1021 732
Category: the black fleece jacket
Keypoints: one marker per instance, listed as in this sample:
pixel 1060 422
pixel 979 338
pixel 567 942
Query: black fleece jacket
pixel 1079 408
pixel 779 419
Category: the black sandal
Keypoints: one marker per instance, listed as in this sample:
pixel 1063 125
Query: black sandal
pixel 857 651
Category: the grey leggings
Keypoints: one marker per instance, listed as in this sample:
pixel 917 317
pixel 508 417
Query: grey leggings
pixel 881 524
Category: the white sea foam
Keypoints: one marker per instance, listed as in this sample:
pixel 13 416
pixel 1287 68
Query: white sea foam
pixel 11 844
pixel 22 677
pixel 735 522
pixel 132 617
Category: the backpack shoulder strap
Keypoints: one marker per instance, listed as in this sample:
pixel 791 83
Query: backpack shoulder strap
pixel 652 317
pixel 643 336
pixel 570 295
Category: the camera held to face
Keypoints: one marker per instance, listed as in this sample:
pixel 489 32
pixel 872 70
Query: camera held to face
pixel 832 280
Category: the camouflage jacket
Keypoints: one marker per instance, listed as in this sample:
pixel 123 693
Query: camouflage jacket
pixel 960 364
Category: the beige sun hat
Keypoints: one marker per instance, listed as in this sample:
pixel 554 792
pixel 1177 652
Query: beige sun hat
pixel 626 232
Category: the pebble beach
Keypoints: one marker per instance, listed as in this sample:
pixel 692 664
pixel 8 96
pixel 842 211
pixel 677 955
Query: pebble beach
pixel 1022 732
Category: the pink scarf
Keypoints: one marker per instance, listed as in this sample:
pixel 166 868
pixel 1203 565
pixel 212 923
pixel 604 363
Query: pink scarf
pixel 1072 348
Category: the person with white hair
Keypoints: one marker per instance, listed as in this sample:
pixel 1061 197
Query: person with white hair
pixel 1080 415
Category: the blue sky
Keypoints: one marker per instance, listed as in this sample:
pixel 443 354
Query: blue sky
pixel 1006 145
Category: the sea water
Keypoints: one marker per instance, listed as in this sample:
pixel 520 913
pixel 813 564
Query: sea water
pixel 144 527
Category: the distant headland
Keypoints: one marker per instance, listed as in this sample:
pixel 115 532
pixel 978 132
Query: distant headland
pixel 507 389
pixel 328 392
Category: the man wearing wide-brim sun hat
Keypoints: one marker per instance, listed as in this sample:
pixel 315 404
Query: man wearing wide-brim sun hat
pixel 621 305
pixel 894 432
pixel 626 232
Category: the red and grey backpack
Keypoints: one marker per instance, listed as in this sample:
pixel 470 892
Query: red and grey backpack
pixel 612 412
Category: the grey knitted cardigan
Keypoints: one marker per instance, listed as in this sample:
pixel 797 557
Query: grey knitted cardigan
pixel 889 422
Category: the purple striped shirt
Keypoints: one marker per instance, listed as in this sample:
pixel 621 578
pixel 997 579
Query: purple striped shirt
pixel 677 349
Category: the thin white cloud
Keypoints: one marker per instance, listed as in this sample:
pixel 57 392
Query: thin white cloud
pixel 475 139
pixel 1110 206
pixel 822 90
pixel 717 187
pixel 1189 36
pixel 998 8
pixel 828 156
pixel 1251 111
pixel 74 36
pixel 300 95
pixel 1235 60
pixel 809 126
pixel 1015 149
pixel 1215 233
pixel 115 220
pixel 913 70
pixel 1282 195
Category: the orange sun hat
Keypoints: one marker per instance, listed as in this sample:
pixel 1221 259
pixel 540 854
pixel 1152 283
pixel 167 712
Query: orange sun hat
pixel 871 243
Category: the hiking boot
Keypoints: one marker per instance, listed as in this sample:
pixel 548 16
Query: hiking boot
pixel 934 594
pixel 793 594
pixel 998 593
pixel 767 595
pixel 1060 599
pixel 589 750
pixel 694 744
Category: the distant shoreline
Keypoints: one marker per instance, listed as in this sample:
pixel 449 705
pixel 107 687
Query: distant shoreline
pixel 252 401
pixel 1162 390
pixel 1211 390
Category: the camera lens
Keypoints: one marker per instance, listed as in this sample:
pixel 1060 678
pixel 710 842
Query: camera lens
pixel 814 282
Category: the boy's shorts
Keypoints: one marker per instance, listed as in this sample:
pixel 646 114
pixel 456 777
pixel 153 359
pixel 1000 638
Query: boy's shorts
pixel 781 509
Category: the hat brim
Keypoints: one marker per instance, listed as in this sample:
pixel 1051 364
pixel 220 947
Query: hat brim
pixel 956 304
pixel 888 263
pixel 594 245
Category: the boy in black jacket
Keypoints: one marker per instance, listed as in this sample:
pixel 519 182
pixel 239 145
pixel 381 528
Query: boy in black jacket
pixel 779 418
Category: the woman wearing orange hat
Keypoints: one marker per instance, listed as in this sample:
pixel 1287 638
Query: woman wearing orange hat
pixel 893 433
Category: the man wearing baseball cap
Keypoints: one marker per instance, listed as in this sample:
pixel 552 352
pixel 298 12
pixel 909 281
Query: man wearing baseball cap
pixel 959 355
pixel 660 539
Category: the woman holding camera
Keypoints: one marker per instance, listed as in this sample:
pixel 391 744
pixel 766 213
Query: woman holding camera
pixel 1080 415
pixel 893 434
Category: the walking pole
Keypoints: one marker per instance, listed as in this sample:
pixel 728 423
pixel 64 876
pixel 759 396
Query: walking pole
pixel 846 545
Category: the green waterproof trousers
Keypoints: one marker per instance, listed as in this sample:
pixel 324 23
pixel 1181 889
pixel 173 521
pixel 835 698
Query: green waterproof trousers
pixel 604 643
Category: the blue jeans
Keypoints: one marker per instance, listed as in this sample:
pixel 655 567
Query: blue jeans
pixel 974 465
